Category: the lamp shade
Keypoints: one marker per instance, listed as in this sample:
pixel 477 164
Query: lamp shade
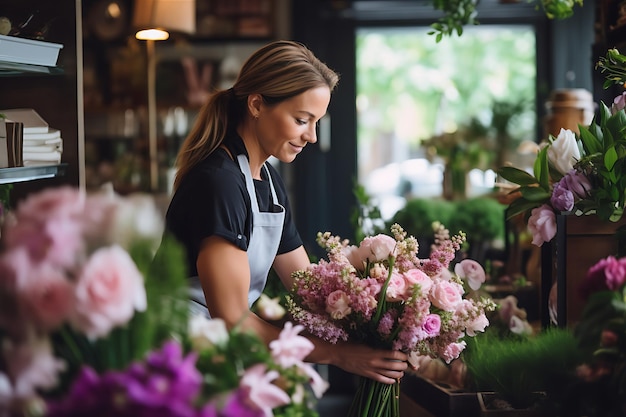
pixel 164 16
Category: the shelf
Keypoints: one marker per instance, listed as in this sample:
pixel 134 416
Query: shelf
pixel 12 69
pixel 21 174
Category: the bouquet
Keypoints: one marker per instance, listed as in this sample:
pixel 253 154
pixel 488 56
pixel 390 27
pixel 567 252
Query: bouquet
pixel 577 173
pixel 600 388
pixel 382 295
pixel 94 321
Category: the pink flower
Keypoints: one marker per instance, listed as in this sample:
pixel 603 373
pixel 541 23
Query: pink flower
pixel 352 254
pixel 31 365
pixel 432 325
pixel 264 395
pixel 446 295
pixel 477 325
pixel 471 271
pixel 377 248
pixel 63 201
pixel 109 288
pixel 619 102
pixel 452 351
pixel 542 224
pixel 397 288
pixel 418 277
pixel 48 296
pixel 615 272
pixel 338 305
pixel 290 348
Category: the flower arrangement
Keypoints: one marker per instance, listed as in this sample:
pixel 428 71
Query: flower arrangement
pixel 94 321
pixel 575 173
pixel 600 389
pixel 380 293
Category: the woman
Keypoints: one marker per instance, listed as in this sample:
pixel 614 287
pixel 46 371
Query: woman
pixel 230 207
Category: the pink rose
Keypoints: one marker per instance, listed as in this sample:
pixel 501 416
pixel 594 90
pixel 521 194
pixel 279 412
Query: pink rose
pixel 542 224
pixel 432 325
pixel 418 277
pixel 477 325
pixel 397 288
pixel 471 271
pixel 615 273
pixel 63 201
pixel 452 351
pixel 338 305
pixel 108 291
pixel 377 248
pixel 352 254
pixel 446 295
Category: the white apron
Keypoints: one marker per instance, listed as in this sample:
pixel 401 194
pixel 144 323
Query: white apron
pixel 267 229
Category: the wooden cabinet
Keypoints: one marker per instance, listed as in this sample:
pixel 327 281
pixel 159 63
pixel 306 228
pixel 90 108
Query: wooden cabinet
pixel 55 94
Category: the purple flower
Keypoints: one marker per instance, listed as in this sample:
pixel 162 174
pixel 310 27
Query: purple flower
pixel 607 274
pixel 619 103
pixel 562 199
pixel 577 183
pixel 237 405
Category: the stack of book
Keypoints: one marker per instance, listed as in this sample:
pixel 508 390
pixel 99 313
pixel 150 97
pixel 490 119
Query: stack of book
pixel 41 144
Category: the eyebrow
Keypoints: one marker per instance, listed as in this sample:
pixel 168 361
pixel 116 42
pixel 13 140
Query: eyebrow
pixel 311 115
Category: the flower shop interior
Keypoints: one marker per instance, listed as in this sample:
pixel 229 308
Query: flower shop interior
pixel 502 119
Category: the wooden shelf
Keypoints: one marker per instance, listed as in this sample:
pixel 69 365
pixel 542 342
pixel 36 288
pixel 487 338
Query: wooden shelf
pixel 21 174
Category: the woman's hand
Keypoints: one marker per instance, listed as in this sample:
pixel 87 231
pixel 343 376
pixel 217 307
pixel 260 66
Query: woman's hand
pixel 386 366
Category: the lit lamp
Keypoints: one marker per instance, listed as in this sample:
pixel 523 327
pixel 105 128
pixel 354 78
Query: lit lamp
pixel 154 19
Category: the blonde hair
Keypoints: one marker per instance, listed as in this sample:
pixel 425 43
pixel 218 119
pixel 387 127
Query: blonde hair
pixel 277 71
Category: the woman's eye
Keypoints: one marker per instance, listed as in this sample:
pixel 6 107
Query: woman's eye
pixel 301 121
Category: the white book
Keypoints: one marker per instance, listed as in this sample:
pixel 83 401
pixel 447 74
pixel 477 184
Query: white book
pixel 54 156
pixel 33 122
pixel 37 142
pixel 40 148
pixel 50 134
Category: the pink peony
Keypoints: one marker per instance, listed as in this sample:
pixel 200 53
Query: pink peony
pixel 109 288
pixel 471 271
pixel 542 224
pixel 377 248
pixel 338 305
pixel 63 201
pixel 446 295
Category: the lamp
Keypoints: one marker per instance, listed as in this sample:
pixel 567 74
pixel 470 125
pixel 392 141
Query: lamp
pixel 154 19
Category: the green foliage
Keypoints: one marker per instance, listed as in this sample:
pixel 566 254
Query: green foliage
pixel 418 215
pixel 517 368
pixel 5 197
pixel 481 218
pixel 613 66
pixel 366 217
pixel 457 13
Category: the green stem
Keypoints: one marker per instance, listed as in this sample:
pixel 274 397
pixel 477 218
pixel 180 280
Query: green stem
pixel 382 304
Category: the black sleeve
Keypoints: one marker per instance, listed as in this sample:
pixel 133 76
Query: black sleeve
pixel 210 202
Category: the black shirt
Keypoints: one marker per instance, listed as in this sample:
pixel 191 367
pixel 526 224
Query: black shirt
pixel 212 200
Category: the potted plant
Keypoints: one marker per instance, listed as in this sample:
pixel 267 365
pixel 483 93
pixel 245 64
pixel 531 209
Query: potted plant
pixel 521 375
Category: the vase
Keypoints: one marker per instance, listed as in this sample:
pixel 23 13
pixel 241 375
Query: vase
pixel 580 242
pixel 454 182
pixel 375 399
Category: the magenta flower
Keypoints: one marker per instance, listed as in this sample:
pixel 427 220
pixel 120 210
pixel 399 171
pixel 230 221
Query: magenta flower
pixel 432 325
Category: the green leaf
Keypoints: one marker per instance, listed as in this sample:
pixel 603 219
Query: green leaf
pixel 535 194
pixel 610 158
pixel 541 168
pixel 517 176
pixel 591 143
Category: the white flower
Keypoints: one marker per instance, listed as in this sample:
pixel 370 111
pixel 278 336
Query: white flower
pixel 205 333
pixel 563 153
pixel 270 308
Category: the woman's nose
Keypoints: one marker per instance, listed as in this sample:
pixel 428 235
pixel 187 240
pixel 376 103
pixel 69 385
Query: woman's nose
pixel 311 134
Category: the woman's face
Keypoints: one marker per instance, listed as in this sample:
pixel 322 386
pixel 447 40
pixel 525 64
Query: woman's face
pixel 284 129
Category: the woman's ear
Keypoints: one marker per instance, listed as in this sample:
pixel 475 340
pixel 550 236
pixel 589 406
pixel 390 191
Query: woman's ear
pixel 255 102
